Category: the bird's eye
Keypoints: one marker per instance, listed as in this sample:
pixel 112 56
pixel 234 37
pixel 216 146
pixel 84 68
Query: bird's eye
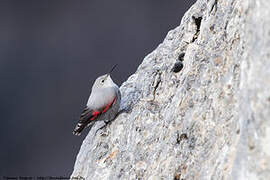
pixel 102 81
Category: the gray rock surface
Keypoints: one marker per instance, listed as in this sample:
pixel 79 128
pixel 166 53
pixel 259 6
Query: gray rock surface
pixel 211 120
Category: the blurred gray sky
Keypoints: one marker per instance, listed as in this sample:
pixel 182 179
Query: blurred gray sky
pixel 51 51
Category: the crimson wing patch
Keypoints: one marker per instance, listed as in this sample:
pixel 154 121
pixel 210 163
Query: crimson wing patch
pixel 88 115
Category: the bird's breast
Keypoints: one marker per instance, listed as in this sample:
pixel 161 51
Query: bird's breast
pixel 101 97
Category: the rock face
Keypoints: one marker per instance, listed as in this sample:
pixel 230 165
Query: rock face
pixel 211 120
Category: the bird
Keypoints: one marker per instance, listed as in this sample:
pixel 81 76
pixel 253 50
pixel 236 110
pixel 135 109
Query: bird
pixel 103 103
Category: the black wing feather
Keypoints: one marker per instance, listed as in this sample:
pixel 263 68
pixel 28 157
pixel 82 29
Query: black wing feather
pixel 84 121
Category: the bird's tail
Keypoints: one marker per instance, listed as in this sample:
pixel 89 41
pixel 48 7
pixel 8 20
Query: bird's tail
pixel 80 127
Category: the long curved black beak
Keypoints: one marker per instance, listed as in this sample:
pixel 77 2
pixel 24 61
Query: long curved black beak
pixel 112 69
pixel 109 73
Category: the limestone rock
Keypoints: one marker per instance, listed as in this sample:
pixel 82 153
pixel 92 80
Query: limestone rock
pixel 210 120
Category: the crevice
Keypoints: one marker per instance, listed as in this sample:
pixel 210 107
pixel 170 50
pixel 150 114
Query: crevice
pixel 179 171
pixel 177 176
pixel 155 88
pixel 156 83
pixel 178 66
pixel 213 5
pixel 197 21
pixel 181 57
pixel 181 137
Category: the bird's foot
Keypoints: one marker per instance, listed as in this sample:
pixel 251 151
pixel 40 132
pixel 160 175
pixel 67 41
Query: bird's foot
pixel 106 122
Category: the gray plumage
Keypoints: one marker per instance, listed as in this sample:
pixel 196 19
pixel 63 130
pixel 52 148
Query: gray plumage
pixel 103 103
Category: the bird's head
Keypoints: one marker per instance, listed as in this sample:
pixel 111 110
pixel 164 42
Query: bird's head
pixel 104 80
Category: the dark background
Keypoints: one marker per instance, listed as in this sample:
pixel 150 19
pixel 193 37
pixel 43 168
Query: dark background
pixel 51 51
